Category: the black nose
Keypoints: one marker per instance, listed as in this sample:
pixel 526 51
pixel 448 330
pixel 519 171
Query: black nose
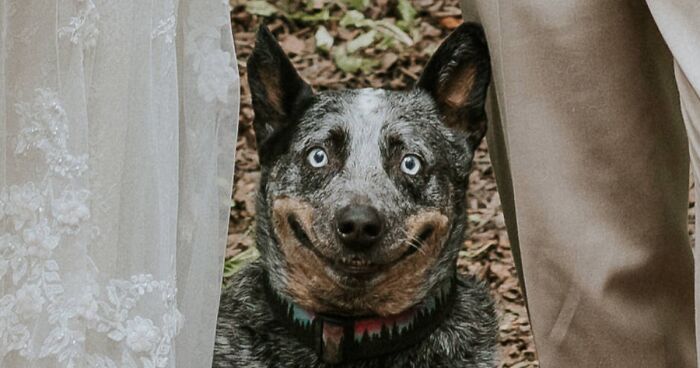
pixel 359 226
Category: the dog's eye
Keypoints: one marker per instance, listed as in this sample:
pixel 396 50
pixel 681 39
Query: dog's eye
pixel 410 164
pixel 317 157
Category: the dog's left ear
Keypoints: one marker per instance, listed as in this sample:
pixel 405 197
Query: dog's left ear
pixel 457 76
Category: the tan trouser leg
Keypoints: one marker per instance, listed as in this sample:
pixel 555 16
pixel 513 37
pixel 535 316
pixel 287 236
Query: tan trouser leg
pixel 679 22
pixel 595 179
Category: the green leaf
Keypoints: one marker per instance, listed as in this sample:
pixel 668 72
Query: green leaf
pixel 324 40
pixel 352 64
pixel 416 34
pixel 322 16
pixel 362 41
pixel 346 63
pixel 261 8
pixel 430 49
pixel 357 4
pixel 235 263
pixel 315 4
pixel 407 13
pixel 391 29
pixel 354 18
pixel 386 42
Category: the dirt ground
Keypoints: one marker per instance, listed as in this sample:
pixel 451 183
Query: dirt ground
pixel 378 43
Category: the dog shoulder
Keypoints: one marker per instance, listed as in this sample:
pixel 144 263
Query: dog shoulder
pixel 243 301
pixel 241 313
pixel 474 320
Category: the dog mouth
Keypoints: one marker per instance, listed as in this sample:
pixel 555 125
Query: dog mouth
pixel 355 266
pixel 417 243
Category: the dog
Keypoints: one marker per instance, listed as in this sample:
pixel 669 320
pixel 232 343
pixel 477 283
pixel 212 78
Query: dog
pixel 361 215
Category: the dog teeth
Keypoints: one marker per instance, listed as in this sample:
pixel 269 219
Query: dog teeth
pixel 355 261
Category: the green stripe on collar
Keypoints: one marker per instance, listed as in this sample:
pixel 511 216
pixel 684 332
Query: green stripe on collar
pixel 339 339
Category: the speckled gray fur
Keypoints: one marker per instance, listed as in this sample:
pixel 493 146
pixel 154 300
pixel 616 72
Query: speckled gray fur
pixel 250 337
pixel 365 132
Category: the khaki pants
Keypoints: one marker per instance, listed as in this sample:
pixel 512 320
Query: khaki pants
pixel 591 155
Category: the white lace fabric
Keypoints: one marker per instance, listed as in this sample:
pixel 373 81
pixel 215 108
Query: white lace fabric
pixel 117 134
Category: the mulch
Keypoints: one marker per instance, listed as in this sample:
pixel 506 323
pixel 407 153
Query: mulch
pixel 487 253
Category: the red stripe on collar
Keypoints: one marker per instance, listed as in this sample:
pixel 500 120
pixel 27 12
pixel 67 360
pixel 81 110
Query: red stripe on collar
pixel 340 339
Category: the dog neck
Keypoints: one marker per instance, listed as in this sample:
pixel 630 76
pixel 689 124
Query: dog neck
pixel 339 339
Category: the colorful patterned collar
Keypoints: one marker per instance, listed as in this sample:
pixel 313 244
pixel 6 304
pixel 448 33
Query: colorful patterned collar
pixel 341 339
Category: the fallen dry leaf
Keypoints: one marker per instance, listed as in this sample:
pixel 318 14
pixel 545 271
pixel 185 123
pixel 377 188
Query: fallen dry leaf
pixel 450 22
pixel 293 45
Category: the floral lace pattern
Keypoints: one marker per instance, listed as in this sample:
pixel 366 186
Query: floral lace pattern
pixel 166 29
pixel 82 29
pixel 215 74
pixel 35 220
pixel 117 134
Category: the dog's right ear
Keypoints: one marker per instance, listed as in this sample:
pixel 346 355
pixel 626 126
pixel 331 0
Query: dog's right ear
pixel 457 76
pixel 276 87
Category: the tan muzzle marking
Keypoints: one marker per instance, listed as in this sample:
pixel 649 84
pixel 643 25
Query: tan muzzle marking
pixel 309 281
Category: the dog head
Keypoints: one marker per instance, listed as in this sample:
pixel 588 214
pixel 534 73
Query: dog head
pixel 362 201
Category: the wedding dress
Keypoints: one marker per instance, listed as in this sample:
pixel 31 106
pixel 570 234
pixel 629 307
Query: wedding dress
pixel 117 135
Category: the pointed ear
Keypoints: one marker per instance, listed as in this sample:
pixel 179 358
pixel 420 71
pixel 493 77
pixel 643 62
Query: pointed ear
pixel 457 76
pixel 276 87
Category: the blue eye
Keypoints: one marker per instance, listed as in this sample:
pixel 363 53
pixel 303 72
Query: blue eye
pixel 317 158
pixel 410 164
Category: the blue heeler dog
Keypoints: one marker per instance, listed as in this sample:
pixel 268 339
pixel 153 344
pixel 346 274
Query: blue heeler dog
pixel 361 215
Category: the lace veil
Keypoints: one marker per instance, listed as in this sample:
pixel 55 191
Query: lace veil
pixel 117 134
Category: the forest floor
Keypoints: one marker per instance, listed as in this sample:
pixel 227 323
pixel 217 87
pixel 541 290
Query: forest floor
pixel 384 44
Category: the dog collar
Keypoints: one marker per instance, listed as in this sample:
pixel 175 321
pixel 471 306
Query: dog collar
pixel 339 339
